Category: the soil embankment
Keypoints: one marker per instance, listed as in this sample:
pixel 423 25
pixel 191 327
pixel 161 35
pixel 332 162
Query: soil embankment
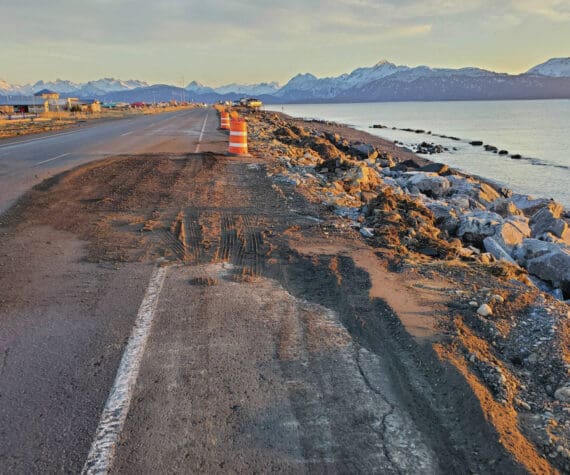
pixel 508 337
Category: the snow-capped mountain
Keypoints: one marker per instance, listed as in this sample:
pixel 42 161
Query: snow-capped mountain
pixel 249 89
pixel 59 85
pixel 88 89
pixel 106 85
pixel 197 88
pixel 6 87
pixel 332 86
pixel 387 82
pixel 383 81
pixel 307 86
pixel 555 68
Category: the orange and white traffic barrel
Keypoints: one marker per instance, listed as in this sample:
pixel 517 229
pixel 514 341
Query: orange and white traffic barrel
pixel 224 120
pixel 238 137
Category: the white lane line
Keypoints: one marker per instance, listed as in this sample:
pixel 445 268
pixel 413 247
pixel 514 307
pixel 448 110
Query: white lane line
pixel 201 134
pixel 126 133
pixel 100 458
pixel 51 159
pixel 18 144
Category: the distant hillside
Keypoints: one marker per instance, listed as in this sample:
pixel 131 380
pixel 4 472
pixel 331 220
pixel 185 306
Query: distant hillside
pixel 384 81
pixel 387 82
pixel 555 67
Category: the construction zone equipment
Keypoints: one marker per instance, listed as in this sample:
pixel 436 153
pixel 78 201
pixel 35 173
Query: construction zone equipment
pixel 238 137
pixel 224 120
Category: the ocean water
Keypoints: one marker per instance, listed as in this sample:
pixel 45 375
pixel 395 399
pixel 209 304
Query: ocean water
pixel 537 130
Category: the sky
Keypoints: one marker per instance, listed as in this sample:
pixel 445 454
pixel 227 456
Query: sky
pixel 248 41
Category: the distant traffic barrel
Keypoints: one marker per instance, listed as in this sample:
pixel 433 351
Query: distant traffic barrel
pixel 238 137
pixel 224 120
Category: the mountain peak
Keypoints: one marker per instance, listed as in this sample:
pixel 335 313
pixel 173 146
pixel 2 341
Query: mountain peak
pixel 383 62
pixel 554 67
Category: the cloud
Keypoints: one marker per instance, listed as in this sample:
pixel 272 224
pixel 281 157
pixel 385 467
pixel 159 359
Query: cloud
pixel 553 10
pixel 269 38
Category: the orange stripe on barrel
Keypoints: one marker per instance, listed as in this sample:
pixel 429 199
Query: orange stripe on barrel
pixel 224 120
pixel 238 137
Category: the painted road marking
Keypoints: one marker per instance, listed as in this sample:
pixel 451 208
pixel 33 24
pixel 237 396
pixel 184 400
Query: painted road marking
pixel 100 458
pixel 51 159
pixel 14 145
pixel 201 134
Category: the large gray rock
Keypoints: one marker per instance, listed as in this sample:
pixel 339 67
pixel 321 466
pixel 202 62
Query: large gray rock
pixel 486 194
pixel 429 184
pixel 462 202
pixel 477 225
pixel 439 168
pixel 505 208
pixel 446 217
pixel 547 261
pixel 547 220
pixel 363 150
pixel 461 185
pixel 531 249
pixel 512 232
pixel 529 205
pixel 477 191
pixel 493 247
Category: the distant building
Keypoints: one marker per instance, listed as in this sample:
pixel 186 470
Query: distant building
pixel 24 104
pixel 6 109
pixel 47 94
pixel 46 101
pixel 83 105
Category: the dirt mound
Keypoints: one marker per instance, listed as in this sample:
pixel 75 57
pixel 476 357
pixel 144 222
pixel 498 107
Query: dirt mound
pixel 323 147
pixel 405 224
pixel 114 204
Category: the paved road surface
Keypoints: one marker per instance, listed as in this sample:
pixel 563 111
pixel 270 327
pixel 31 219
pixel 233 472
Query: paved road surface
pixel 248 354
pixel 63 321
pixel 27 160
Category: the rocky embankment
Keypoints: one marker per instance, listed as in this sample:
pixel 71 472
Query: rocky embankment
pixel 507 255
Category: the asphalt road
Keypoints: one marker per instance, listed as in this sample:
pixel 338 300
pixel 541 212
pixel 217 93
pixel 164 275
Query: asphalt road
pixel 64 322
pixel 28 160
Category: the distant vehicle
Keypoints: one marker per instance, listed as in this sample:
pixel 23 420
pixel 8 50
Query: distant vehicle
pixel 251 102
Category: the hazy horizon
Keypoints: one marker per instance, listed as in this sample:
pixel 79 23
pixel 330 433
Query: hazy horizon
pixel 247 41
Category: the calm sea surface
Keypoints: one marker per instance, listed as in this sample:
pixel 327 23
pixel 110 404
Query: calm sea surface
pixel 537 130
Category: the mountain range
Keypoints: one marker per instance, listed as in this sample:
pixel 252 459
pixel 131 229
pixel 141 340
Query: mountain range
pixel 384 81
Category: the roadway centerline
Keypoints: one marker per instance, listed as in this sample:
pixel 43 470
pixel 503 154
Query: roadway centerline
pixel 100 458
pixel 51 159
pixel 201 133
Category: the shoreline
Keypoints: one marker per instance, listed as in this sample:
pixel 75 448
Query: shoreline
pixel 529 156
pixel 501 330
pixel 405 155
